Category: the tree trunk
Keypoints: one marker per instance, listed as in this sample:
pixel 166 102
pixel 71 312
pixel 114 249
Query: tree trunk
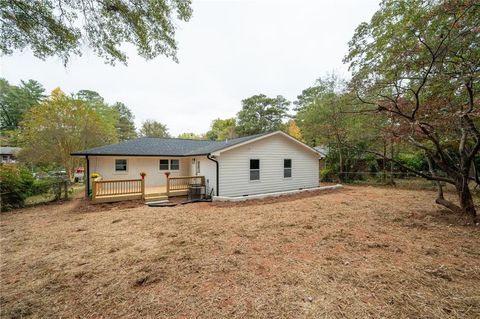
pixel 465 198
pixel 340 164
pixel 392 181
pixel 384 168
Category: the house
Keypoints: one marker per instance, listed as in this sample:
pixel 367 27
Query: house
pixel 323 151
pixel 9 154
pixel 262 163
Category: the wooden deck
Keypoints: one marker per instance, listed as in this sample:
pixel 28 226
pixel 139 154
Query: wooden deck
pixel 107 191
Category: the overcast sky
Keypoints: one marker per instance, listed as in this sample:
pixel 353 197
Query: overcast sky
pixel 228 51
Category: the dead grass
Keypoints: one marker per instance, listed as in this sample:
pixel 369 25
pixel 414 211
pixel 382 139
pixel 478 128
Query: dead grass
pixel 357 252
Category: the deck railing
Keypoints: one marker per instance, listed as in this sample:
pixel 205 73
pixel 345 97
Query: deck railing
pixel 181 183
pixel 118 187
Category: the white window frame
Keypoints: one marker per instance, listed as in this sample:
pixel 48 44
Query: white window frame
pixel 253 170
pixel 160 167
pixel 126 166
pixel 288 168
pixel 170 163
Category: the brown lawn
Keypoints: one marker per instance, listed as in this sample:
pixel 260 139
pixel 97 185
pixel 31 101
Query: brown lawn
pixel 357 252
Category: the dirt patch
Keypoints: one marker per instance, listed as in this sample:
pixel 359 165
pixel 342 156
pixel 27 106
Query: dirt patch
pixel 355 252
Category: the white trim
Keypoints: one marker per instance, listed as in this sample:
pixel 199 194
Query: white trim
pixel 168 165
pixel 254 169
pixel 276 194
pixel 218 152
pixel 115 171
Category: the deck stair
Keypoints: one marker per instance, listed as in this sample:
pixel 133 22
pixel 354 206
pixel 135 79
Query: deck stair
pixel 153 197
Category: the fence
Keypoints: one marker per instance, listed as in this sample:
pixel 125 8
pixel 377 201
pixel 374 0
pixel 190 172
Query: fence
pixel 401 179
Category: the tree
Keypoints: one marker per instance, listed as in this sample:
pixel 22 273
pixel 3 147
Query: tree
pixel 294 130
pixel 54 129
pixel 118 114
pixel 191 136
pixel 15 101
pixel 222 129
pixel 418 63
pixel 151 128
pixel 308 96
pixel 61 27
pixel 98 104
pixel 124 123
pixel 324 119
pixel 261 114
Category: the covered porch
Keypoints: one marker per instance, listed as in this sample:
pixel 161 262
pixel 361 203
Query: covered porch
pixel 107 191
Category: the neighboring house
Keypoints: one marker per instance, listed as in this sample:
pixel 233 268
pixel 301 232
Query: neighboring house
pixel 9 154
pixel 257 164
pixel 323 151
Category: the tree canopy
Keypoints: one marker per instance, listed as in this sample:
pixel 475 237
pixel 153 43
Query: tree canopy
pixel 190 136
pixel 152 128
pixel 222 129
pixel 15 101
pixel 59 126
pixel 418 63
pixel 61 27
pixel 124 122
pixel 261 114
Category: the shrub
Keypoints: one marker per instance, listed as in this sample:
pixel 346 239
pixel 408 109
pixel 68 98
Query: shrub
pixel 15 185
pixel 415 161
pixel 44 186
pixel 327 175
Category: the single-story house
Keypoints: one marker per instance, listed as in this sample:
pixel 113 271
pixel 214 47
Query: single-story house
pixel 257 164
pixel 9 154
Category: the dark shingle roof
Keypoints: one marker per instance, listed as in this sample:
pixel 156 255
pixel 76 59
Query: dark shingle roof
pixel 149 146
pixel 8 150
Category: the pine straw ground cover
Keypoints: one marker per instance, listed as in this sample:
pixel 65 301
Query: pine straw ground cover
pixel 357 252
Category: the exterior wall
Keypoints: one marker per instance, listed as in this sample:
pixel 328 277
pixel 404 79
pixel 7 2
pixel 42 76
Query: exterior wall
pixel 271 151
pixel 105 166
pixel 208 169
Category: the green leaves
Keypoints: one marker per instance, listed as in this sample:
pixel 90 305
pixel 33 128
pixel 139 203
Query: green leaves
pixel 222 129
pixel 61 125
pixel 59 28
pixel 262 114
pixel 15 101
pixel 151 128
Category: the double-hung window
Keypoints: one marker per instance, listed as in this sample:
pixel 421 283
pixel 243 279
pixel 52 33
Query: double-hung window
pixel 174 165
pixel 254 169
pixel 164 164
pixel 120 165
pixel 287 168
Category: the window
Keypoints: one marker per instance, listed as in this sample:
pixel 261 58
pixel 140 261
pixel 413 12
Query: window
pixel 120 165
pixel 287 168
pixel 197 170
pixel 254 169
pixel 174 165
pixel 164 165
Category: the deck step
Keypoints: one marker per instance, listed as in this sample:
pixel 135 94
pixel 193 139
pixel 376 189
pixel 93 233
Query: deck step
pixel 155 197
pixel 155 194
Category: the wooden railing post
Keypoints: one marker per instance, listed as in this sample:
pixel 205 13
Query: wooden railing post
pixel 143 188
pixel 168 186
pixel 94 189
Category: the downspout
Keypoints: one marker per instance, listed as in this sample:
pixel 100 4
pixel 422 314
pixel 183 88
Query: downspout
pixel 217 179
pixel 87 179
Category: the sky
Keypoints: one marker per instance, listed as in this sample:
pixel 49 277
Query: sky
pixel 228 51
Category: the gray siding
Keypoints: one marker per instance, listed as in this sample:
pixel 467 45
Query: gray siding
pixel 271 151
